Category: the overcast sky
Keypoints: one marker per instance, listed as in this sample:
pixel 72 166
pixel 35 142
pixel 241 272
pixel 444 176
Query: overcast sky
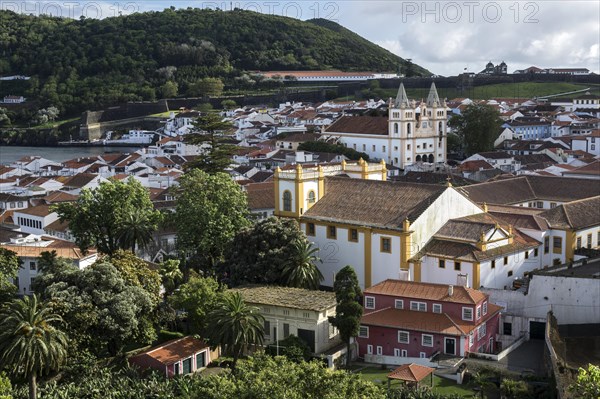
pixel 443 36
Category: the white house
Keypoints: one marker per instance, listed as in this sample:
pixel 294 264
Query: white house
pixel 413 133
pixel 35 219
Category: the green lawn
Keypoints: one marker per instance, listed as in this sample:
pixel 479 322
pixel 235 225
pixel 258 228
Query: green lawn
pixel 441 385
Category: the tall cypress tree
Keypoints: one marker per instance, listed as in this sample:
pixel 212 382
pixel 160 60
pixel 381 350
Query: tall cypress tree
pixel 217 152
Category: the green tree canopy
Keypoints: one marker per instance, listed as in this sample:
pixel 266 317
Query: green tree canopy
pixel 137 273
pixel 206 87
pixel 9 268
pixel 259 253
pixel 348 310
pixel 217 152
pixel 169 89
pixel 171 275
pixel 478 127
pixel 101 217
pixel 31 344
pixel 587 385
pixel 211 209
pixel 235 326
pixel 197 298
pixel 301 270
pixel 321 146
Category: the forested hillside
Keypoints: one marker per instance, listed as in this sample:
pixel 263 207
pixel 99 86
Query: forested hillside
pixel 89 64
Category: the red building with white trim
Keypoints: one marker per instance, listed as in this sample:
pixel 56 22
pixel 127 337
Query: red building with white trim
pixel 418 320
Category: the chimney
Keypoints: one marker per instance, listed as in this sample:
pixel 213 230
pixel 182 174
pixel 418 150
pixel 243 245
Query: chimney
pixel 450 290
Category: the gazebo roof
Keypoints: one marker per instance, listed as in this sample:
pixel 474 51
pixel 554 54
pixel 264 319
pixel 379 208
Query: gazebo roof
pixel 411 372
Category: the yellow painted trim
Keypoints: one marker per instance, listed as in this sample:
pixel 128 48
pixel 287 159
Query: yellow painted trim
pixel 476 275
pixel 405 244
pixel 394 233
pixel 559 250
pixel 329 236
pixel 417 271
pixel 571 239
pixel 368 257
pixel 299 191
pixel 276 192
pixel 321 183
pixel 308 203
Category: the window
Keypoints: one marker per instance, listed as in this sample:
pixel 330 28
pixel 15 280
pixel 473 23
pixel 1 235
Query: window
pixel 536 252
pixel 485 308
pixel 509 274
pixel 589 241
pixel 286 312
pixel 403 337
pixel 386 245
pixel 310 229
pixel 379 350
pixel 399 304
pixel 177 368
pixel 397 352
pixel 31 265
pixel 437 308
pixel 364 147
pixel 418 306
pixel 200 360
pixel 267 328
pixel 552 205
pixel 311 197
pixel 482 331
pixel 422 355
pixel 526 254
pixel 457 266
pixel 493 264
pixel 396 148
pixel 353 235
pixel 287 201
pixel 369 349
pixel 557 245
pixel 427 340
pixel 306 315
pixel 369 302
pixel 332 331
pixel 383 148
pixel 478 312
pixel 408 147
pixel 578 242
pixel 540 204
pixel 442 264
pixel 471 339
pixel 331 232
pixel 363 332
pixel 20 204
pixel 396 128
pixel 507 330
pixel 506 260
pixel 467 314
pixel 374 147
pixel 546 244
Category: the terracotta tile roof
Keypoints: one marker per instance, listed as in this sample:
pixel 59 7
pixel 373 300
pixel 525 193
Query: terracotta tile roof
pixel 529 188
pixel 175 350
pixel 59 196
pixel 288 297
pixel 474 165
pixel 40 210
pixel 261 195
pixel 69 250
pixel 589 169
pixel 57 225
pixel 575 215
pixel 439 323
pixel 467 229
pixel 429 291
pixel 300 137
pixel 411 372
pixel 521 217
pixel 80 180
pixel 360 125
pixel 383 204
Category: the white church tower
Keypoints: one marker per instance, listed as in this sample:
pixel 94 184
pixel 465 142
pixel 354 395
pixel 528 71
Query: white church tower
pixel 417 131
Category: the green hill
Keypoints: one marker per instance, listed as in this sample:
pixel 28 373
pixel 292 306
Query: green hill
pixel 89 63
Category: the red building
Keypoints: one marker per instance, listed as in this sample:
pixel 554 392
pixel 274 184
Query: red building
pixel 176 357
pixel 418 320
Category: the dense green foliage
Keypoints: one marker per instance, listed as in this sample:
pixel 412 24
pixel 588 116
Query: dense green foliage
pixel 30 342
pixel 235 326
pixel 104 307
pixel 90 63
pixel 321 146
pixel 587 385
pixel 348 310
pixel 9 268
pixel 5 387
pixel 300 270
pixel 211 209
pixel 196 298
pixel 259 252
pixel 478 126
pixel 292 347
pixel 116 215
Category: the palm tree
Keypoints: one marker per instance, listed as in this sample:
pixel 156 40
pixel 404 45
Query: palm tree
pixel 235 325
pixel 137 229
pixel 170 274
pixel 30 345
pixel 301 270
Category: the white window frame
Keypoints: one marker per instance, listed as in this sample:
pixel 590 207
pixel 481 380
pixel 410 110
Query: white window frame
pixel 471 339
pixel 423 340
pixel 482 331
pixel 404 353
pixel 407 337
pixel 379 350
pixel 418 307
pixel 360 330
pixel 367 299
pixel 437 306
pixel 399 301
pixel 423 355
pixel 485 308
pixel 369 349
pixel 478 312
pixel 396 352
pixel 463 313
